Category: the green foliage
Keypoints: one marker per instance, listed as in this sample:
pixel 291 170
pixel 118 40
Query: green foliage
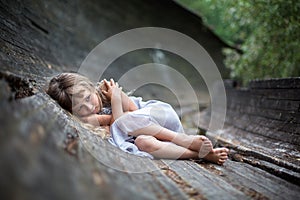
pixel 217 15
pixel 267 31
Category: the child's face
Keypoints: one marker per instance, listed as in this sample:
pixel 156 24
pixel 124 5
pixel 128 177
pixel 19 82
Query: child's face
pixel 89 103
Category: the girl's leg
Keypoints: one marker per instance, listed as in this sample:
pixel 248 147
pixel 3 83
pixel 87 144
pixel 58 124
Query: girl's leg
pixel 160 149
pixel 168 150
pixel 197 143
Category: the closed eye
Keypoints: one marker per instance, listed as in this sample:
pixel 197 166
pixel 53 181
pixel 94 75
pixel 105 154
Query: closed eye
pixel 87 99
pixel 79 108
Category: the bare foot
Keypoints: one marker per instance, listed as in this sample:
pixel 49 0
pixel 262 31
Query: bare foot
pixel 202 145
pixel 218 156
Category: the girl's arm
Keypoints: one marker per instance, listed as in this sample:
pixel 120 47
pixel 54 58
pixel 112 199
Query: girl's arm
pixel 114 93
pixel 116 103
pixel 127 103
pixel 98 120
pixel 104 120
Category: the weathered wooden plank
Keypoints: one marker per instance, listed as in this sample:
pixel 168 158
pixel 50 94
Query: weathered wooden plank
pixel 262 126
pixel 142 175
pixel 236 178
pixel 263 149
pixel 254 127
pixel 259 162
pixel 274 148
pixel 257 182
pixel 276 125
pixel 33 146
pixel 242 106
pixel 285 94
pixel 257 125
pixel 119 168
pixel 256 104
pixel 239 100
pixel 283 154
pixel 276 114
pixel 188 189
pixel 264 102
pixel 275 83
pixel 272 93
pixel 31 164
pixel 286 131
pixel 207 184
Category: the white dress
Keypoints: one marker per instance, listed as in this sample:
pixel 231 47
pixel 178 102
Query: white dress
pixel 148 113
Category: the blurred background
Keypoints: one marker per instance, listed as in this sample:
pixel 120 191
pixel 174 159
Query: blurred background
pixel 266 34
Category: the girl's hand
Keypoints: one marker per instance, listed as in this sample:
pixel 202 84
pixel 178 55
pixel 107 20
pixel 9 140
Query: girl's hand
pixel 98 120
pixel 112 88
pixel 90 119
pixel 101 86
pixel 114 94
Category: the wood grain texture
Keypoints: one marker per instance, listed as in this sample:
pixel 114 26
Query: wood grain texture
pixel 262 125
pixel 47 154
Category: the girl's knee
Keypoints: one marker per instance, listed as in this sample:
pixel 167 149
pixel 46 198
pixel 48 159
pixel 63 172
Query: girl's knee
pixel 146 143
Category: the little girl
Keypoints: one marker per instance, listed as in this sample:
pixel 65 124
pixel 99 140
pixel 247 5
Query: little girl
pixel 150 129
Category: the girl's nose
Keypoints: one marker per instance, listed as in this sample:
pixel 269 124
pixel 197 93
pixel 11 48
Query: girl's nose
pixel 89 106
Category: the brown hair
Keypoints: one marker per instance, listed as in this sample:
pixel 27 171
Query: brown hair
pixel 67 85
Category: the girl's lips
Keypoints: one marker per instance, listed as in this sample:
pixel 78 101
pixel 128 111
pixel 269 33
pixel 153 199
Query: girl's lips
pixel 95 111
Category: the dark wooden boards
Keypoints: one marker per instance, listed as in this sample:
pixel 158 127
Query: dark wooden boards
pixel 234 180
pixel 47 154
pixel 87 163
pixel 262 124
pixel 282 83
pixel 95 168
